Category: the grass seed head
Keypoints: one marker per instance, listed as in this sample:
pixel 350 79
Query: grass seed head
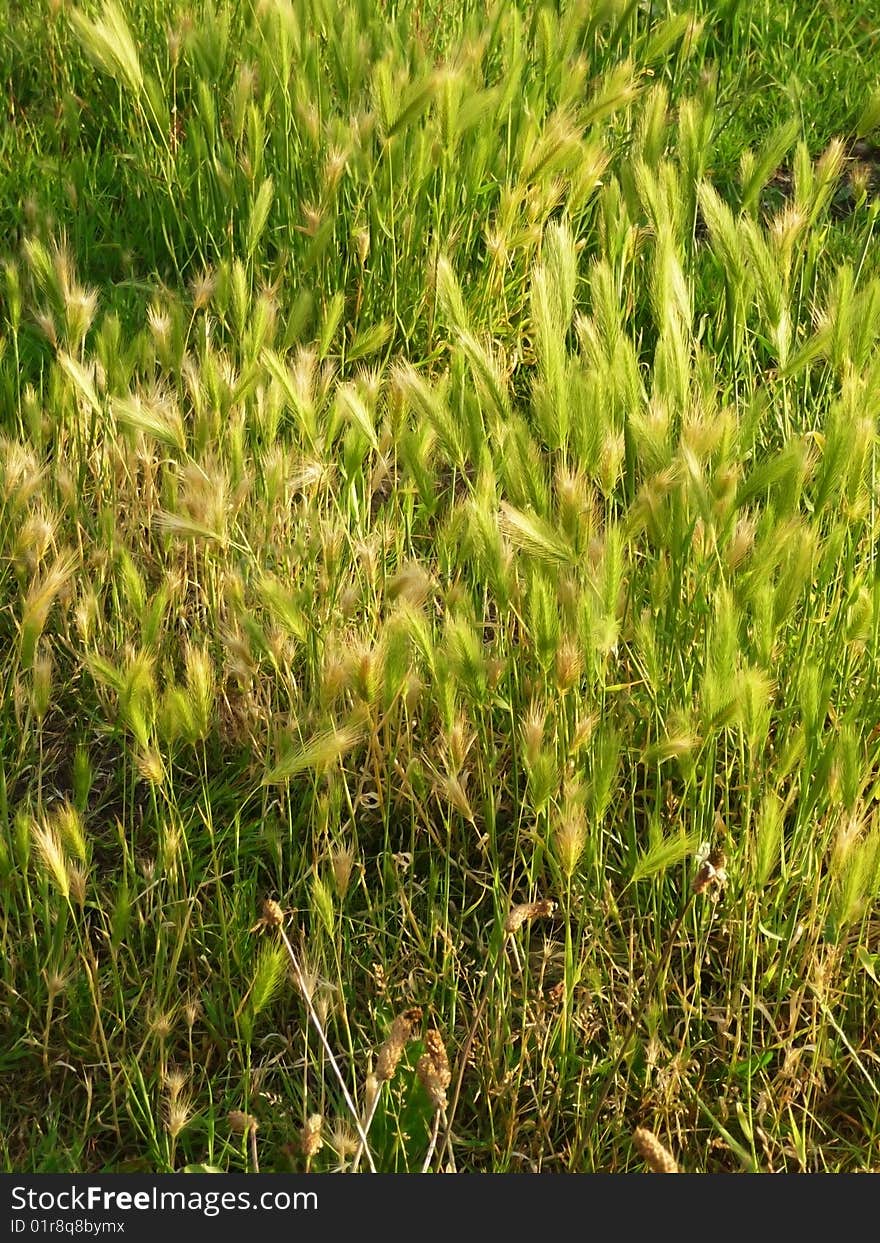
pixel 570 833
pixel 372 1087
pixel 310 1137
pixel 50 852
pixel 569 664
pixel 433 1069
pixel 150 767
pixel 533 731
pixel 527 911
pixel 178 1114
pixel 711 873
pixel 175 1080
pixel 78 879
pixel 399 1036
pixel 34 540
pixel 652 1152
pixel 344 1141
pixel 241 1123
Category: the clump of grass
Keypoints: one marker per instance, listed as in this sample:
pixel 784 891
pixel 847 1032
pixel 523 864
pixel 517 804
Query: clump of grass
pixel 438 463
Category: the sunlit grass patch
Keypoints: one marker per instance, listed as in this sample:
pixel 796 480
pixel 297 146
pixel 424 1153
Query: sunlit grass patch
pixel 438 593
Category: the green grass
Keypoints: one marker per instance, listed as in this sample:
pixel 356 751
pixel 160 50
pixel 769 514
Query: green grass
pixel 439 473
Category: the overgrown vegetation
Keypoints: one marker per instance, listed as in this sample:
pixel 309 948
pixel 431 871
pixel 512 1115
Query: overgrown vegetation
pixel 439 475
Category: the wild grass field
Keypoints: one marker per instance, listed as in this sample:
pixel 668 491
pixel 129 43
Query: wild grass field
pixel 439 588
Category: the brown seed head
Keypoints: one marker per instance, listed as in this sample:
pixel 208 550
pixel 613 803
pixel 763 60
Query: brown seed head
pixel 178 1113
pixel 533 731
pixel 343 1139
pixel 395 1043
pixel 652 1152
pixel 568 664
pixel 526 911
pixel 161 1024
pixel 272 914
pixel 570 832
pixel 56 982
pixel 433 1069
pixel 711 874
pixel 192 1011
pixel 175 1081
pixel 78 879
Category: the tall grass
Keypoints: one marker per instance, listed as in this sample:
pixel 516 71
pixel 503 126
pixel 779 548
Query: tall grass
pixel 459 500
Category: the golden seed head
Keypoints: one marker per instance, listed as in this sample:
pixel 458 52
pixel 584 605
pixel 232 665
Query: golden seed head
pixel 395 1043
pixel 860 179
pixel 192 1011
pixel 174 39
pixel 46 323
pixel 371 1091
pixel 742 542
pixel 21 470
pixel 312 220
pixel 362 244
pixel 433 1069
pixel 459 739
pixel 323 1003
pixel 411 583
pixel 162 1024
pixel 436 1050
pixel 310 1139
pixel 526 911
pixel 711 873
pixel 568 664
pixel 175 1081
pixel 34 540
pixel 177 1114
pixel 334 166
pixel 344 1141
pixel 309 979
pixel 494 671
pixel 342 862
pixel 652 1152
pixel 80 306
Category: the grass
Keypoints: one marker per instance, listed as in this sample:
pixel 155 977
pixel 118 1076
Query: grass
pixel 438 496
